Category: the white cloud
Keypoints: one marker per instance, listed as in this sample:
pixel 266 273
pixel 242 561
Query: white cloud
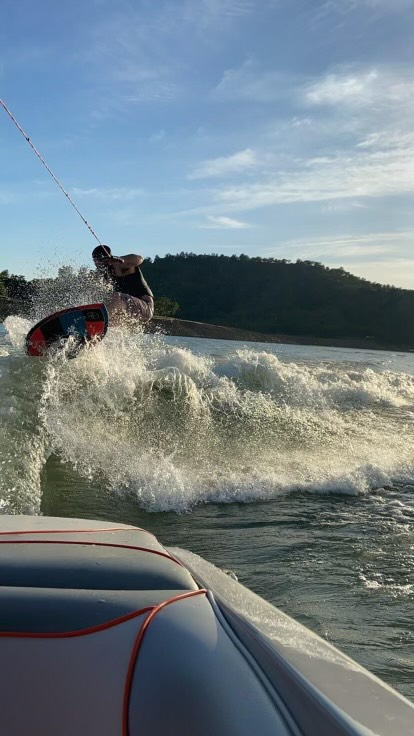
pixel 345 88
pixel 341 180
pixel 223 223
pixel 361 135
pixel 252 83
pixel 110 194
pixel 343 206
pixel 159 91
pixel 225 165
pixel 361 139
pixel 337 247
pixel 387 6
pixel 351 88
pixel 385 257
pixel 367 10
pixel 386 139
pixel 141 51
pixel 363 88
pixel 7 198
pixel 373 174
pixel 301 123
pixel 208 12
pixel 160 135
pixel 125 53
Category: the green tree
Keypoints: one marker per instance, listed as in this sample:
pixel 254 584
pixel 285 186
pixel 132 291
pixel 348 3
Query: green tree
pixel 165 307
pixel 3 276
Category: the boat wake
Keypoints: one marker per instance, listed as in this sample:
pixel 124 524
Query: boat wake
pixel 152 420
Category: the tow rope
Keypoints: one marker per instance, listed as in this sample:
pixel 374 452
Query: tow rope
pixel 19 128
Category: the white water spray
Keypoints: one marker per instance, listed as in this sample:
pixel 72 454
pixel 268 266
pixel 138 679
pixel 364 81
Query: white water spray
pixel 172 429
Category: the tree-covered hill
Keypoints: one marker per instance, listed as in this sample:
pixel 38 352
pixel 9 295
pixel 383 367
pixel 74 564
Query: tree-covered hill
pixel 263 295
pixel 276 296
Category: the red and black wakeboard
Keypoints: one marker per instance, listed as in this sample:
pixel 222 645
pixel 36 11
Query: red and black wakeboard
pixel 83 324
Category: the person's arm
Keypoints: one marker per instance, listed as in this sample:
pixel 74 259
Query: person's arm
pixel 132 260
pixel 128 261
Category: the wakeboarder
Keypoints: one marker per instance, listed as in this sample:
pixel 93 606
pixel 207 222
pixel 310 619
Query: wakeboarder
pixel 131 295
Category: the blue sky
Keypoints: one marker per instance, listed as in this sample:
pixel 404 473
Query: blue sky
pixel 278 128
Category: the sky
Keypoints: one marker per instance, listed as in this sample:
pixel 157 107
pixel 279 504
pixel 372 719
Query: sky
pixel 274 128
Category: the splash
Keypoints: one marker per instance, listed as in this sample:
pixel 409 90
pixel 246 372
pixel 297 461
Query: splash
pixel 71 286
pixel 22 447
pixel 173 429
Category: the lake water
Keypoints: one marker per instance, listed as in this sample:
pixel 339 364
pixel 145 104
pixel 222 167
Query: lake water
pixel 291 465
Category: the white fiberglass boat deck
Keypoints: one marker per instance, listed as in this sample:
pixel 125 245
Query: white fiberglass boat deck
pixel 104 631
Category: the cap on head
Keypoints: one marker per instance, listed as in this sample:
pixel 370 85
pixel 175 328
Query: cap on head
pixel 100 252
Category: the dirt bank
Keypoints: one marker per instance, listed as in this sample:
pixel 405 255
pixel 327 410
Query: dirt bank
pixel 186 328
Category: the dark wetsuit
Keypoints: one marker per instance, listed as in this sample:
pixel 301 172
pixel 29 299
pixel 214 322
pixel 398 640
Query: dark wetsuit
pixel 136 295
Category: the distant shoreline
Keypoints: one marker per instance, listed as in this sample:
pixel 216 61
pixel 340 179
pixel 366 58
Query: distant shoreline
pixel 186 328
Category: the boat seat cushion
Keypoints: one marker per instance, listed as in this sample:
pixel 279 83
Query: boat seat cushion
pixel 57 611
pixel 90 567
pixel 47 587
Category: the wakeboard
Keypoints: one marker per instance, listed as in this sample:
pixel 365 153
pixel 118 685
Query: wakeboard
pixel 84 324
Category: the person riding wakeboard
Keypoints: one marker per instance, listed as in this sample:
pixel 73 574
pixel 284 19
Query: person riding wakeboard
pixel 131 296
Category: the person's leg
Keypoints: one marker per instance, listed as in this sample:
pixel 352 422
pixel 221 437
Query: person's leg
pixel 122 305
pixel 142 309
